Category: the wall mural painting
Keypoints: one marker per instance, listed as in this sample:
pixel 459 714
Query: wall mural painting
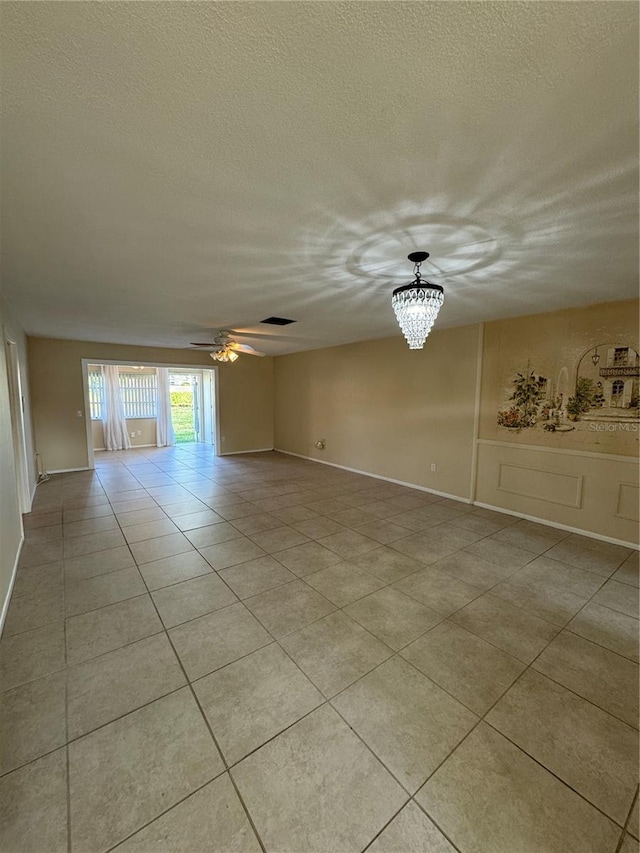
pixel 600 390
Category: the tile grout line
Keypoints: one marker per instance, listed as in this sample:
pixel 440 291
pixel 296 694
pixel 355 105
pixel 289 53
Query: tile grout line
pixel 33 760
pixel 625 829
pixel 483 716
pixel 488 590
pixel 488 711
pixel 165 812
pixel 385 586
pixel 389 584
pixel 394 652
pixel 94 658
pixel 206 722
pixel 66 702
pixel 596 643
pixel 327 700
pixel 521 749
pixel 429 818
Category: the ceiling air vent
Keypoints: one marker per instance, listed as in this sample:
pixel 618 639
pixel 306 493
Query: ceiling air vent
pixel 278 321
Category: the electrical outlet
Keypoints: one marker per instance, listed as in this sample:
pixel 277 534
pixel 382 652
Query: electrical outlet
pixel 133 434
pixel 78 413
pixel 434 467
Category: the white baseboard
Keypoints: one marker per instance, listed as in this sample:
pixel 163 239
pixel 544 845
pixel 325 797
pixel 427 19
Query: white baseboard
pixel 33 494
pixel 255 450
pixel 377 476
pixel 68 470
pixel 133 447
pixel 548 523
pixel 5 603
pixel 601 537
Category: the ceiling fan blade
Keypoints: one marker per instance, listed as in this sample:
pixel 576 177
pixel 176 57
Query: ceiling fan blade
pixel 265 336
pixel 194 344
pixel 245 348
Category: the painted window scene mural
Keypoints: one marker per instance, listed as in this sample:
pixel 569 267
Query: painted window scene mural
pixel 602 389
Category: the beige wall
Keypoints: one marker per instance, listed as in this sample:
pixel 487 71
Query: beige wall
pixel 389 411
pixel 146 426
pixel 10 519
pixel 245 395
pixel 385 409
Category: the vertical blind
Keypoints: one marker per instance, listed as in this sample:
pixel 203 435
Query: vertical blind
pixel 139 394
pixel 96 395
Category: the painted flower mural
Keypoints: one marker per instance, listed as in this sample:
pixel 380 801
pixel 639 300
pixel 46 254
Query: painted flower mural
pixel 606 390
pixel 526 401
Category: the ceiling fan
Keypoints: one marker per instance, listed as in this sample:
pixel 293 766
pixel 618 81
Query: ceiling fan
pixel 224 349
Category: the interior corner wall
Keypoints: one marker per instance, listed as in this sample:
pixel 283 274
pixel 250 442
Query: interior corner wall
pixel 245 396
pixel 10 518
pixel 384 409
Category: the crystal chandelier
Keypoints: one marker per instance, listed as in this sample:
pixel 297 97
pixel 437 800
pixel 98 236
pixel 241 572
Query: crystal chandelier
pixel 416 304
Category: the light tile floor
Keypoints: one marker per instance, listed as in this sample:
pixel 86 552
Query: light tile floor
pixel 263 653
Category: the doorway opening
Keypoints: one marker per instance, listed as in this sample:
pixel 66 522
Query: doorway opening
pixel 186 409
pixel 192 404
pixel 18 434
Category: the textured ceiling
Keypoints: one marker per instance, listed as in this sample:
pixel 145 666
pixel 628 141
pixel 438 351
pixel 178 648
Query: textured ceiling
pixel 171 168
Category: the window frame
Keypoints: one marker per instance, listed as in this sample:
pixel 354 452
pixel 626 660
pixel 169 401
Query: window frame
pixel 139 393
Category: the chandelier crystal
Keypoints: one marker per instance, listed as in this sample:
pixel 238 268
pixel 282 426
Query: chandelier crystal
pixel 416 305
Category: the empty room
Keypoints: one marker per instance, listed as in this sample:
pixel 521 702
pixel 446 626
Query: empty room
pixel 319 427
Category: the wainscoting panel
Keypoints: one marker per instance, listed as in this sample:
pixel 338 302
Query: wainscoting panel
pixel 628 502
pixel 596 493
pixel 553 486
